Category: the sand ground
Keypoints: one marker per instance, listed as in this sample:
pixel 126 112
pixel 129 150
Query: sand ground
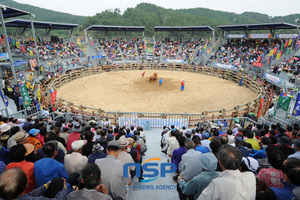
pixel 127 91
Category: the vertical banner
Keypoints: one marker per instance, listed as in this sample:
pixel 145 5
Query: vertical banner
pixel 260 106
pixel 4 98
pixel 39 97
pixel 268 60
pixel 258 59
pixel 53 95
pixel 25 96
pixel 296 111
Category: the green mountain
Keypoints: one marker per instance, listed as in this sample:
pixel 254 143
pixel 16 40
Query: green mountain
pixel 42 14
pixel 150 15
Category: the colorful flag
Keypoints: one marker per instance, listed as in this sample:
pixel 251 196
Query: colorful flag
pixel 296 111
pixel 53 95
pixel 260 106
pixel 278 56
pixel 290 41
pixel 39 97
pixel 286 44
pixel 4 98
pixel 25 96
pixel 284 101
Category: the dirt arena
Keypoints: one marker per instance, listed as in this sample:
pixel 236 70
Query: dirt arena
pixel 127 91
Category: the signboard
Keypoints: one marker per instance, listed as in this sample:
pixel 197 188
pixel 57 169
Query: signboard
pixel 287 36
pixel 224 66
pixel 257 64
pixel 98 56
pixel 155 123
pixel 272 78
pixel 172 61
pixel 260 35
pixel 4 56
pixel 236 35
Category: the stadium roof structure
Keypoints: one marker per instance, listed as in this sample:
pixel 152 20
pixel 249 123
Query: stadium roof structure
pixel 7 12
pixel 107 28
pixel 265 26
pixel 115 28
pixel 183 28
pixel 39 24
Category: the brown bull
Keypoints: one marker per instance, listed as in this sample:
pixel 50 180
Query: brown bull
pixel 152 78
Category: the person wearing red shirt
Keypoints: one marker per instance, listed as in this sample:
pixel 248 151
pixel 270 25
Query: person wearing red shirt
pixel 182 85
pixel 74 136
pixel 17 157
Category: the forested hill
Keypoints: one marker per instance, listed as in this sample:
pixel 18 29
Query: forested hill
pixel 42 14
pixel 150 15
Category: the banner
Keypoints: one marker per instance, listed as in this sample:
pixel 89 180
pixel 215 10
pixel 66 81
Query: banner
pixel 272 78
pixel 284 101
pixel 4 56
pixel 296 111
pixel 286 44
pixel 268 60
pixel 257 64
pixel 25 96
pixel 278 56
pixel 4 98
pixel 39 97
pixel 260 106
pixel 154 123
pixel 258 59
pixel 275 50
pixel 290 41
pixel 271 53
pixel 287 35
pixel 236 35
pixel 260 36
pixel 53 95
pixel 224 66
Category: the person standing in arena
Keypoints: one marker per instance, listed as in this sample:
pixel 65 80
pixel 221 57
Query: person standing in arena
pixel 160 82
pixel 143 74
pixel 182 85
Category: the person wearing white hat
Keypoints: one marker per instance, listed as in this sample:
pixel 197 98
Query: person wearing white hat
pixel 75 162
pixel 123 156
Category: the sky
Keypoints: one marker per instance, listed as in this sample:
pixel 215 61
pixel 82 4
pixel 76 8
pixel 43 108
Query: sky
pixel 91 7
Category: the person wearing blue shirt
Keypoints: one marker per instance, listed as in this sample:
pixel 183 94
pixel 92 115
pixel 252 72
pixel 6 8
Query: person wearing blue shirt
pixel 48 168
pixel 265 141
pixel 160 81
pixel 198 146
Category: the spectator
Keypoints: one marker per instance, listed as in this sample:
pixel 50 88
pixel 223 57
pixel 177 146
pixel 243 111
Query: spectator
pixel 271 177
pixel 286 145
pixel 252 141
pixel 177 153
pixel 27 125
pixel 97 153
pixel 32 138
pixel 198 146
pixel 88 147
pixel 209 163
pixel 112 170
pixel 74 136
pixel 243 183
pixel 13 183
pixel 239 139
pixel 48 168
pixel 17 157
pixel 65 134
pixel 75 162
pixel 91 179
pixel 189 166
pixel 297 149
pixel 123 156
pixel 291 180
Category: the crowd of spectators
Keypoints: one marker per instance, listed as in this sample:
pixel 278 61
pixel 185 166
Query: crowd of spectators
pixel 170 49
pixel 46 159
pixel 111 50
pixel 259 162
pixel 246 51
pixel 128 49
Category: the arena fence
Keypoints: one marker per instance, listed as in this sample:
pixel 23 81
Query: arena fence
pixel 160 119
